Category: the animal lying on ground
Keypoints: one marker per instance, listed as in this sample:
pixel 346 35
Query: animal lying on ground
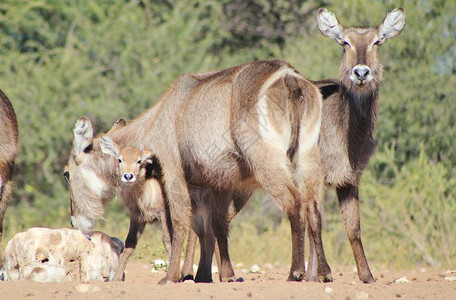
pixel 56 255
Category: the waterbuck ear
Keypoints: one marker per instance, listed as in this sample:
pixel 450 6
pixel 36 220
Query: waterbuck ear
pixel 82 135
pixel 392 25
pixel 147 157
pixel 329 25
pixel 118 124
pixel 108 146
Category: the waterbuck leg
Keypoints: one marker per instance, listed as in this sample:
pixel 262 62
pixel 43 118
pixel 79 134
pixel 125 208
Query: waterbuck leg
pixel 220 225
pixel 312 265
pixel 309 180
pixel 349 207
pixel 317 252
pixel 202 225
pixel 187 268
pixel 134 234
pixel 227 207
pixel 178 236
pixel 266 160
pixel 179 212
pixel 166 236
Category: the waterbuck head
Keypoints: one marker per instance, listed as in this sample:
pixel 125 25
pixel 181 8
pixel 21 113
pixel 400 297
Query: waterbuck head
pixel 91 177
pixel 132 162
pixel 360 69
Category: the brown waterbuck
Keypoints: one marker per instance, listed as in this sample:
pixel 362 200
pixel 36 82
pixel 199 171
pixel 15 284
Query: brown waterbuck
pixel 349 116
pixel 251 126
pixel 8 149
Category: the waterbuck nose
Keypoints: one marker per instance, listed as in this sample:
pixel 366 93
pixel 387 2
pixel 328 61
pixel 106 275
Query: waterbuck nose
pixel 361 72
pixel 128 177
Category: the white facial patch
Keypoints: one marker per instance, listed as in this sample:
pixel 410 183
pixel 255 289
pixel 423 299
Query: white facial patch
pixel 372 43
pixel 94 183
pixel 350 44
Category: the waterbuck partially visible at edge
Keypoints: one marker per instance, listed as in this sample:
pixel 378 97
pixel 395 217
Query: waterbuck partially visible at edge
pixel 8 149
pixel 349 116
pixel 251 126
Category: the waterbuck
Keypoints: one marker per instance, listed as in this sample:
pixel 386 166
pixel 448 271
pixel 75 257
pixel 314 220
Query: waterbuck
pixel 349 115
pixel 251 126
pixel 8 149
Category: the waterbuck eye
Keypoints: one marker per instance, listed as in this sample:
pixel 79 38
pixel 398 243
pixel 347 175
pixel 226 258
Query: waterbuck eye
pixel 120 160
pixel 139 161
pixel 66 175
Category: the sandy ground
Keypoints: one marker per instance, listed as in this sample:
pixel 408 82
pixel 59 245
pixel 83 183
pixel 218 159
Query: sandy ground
pixel 141 283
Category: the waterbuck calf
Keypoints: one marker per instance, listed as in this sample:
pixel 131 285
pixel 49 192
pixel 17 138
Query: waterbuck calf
pixel 141 192
pixel 349 116
pixel 251 126
pixel 8 149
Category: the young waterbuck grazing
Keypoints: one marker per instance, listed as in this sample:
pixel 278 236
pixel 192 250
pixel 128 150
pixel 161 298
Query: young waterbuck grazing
pixel 349 115
pixel 251 126
pixel 8 150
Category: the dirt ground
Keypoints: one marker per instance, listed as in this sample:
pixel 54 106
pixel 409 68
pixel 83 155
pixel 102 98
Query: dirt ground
pixel 141 283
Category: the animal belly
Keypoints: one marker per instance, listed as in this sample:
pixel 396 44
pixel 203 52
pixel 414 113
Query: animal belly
pixel 338 172
pixel 222 169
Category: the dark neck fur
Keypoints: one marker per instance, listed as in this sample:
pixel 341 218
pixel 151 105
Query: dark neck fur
pixel 362 109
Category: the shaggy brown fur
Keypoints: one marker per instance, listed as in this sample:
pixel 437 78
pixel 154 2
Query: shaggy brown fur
pixel 9 138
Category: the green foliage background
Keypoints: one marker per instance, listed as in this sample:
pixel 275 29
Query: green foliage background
pixel 60 60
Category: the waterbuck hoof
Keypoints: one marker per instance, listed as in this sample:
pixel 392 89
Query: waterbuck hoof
pixel 326 278
pixel 367 279
pixel 296 276
pixel 187 277
pixel 165 281
pixel 202 279
pixel 232 279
